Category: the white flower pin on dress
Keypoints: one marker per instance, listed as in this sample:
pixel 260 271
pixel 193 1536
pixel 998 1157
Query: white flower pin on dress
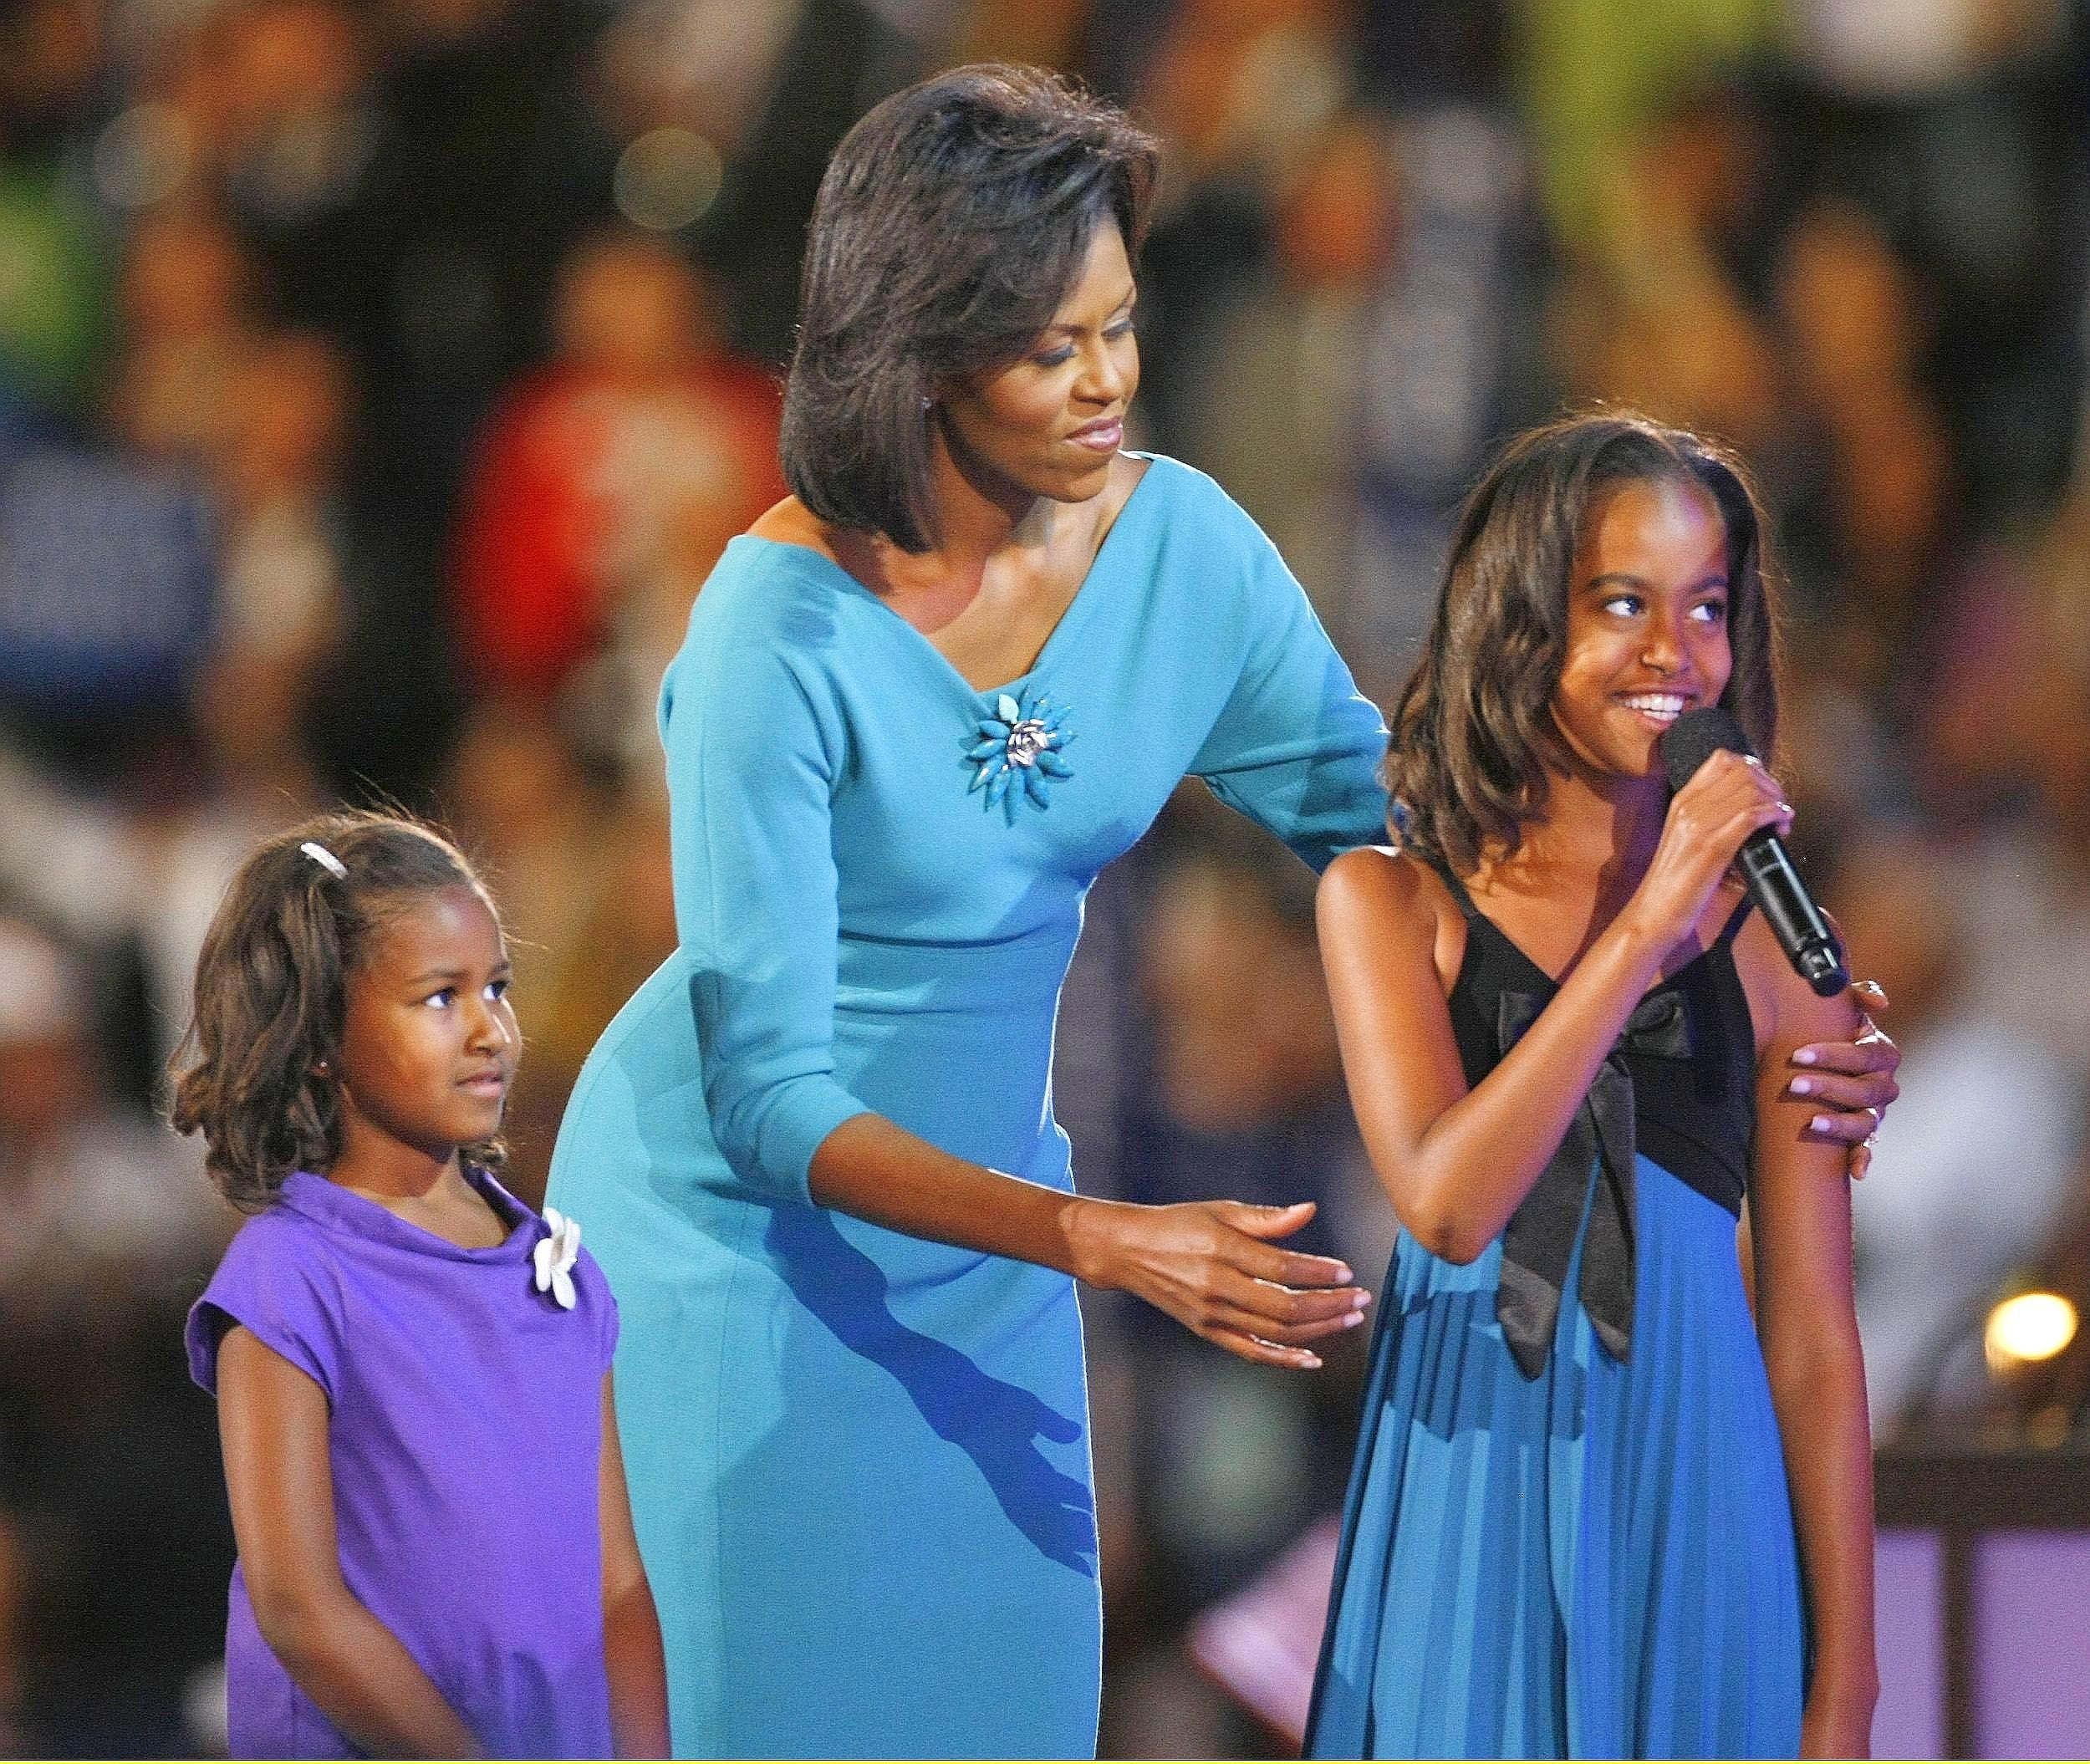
pixel 555 1255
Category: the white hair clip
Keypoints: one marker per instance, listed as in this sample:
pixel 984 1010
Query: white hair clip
pixel 325 860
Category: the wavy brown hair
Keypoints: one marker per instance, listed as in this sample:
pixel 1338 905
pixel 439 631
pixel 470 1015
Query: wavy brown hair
pixel 1474 738
pixel 253 1073
pixel 950 223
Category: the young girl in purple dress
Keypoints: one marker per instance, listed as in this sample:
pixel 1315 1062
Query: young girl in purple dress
pixel 412 1368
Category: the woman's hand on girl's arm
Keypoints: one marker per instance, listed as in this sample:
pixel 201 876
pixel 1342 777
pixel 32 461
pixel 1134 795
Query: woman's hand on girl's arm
pixel 1849 1081
pixel 1800 1230
pixel 279 1478
pixel 631 1628
pixel 1205 1263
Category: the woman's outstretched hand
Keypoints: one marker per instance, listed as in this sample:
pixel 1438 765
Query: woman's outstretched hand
pixel 1850 1082
pixel 1208 1264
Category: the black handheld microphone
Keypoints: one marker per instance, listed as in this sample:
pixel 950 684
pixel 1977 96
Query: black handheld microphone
pixel 1765 865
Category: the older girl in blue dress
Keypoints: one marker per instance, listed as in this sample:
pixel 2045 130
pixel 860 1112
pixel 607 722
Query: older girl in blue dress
pixel 1597 1510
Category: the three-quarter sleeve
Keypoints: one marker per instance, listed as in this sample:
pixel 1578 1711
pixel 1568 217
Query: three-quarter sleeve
pixel 750 769
pixel 1296 748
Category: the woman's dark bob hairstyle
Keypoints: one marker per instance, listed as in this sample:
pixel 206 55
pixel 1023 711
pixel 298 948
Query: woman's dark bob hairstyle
pixel 951 224
pixel 256 1071
pixel 1474 738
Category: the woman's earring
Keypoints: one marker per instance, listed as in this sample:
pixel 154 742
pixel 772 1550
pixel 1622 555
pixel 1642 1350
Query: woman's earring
pixel 928 404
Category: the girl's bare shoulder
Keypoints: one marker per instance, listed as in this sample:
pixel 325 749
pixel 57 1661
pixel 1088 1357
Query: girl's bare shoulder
pixel 1383 887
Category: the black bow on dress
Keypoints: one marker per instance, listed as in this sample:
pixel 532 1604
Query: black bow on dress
pixel 1541 1234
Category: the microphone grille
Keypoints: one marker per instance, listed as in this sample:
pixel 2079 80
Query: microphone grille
pixel 1694 738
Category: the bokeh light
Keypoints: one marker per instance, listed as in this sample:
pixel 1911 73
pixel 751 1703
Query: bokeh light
pixel 143 155
pixel 2032 1326
pixel 666 178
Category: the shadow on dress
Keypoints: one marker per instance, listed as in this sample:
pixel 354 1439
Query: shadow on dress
pixel 996 1423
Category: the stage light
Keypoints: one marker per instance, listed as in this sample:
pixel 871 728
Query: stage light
pixel 2026 1328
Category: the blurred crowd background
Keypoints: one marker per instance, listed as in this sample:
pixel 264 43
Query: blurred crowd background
pixel 379 378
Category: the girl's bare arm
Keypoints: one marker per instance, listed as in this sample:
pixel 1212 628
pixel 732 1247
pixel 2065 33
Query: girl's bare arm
pixel 631 1628
pixel 272 1418
pixel 1800 1233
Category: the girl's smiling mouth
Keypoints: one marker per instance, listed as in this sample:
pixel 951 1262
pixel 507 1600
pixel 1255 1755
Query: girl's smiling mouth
pixel 1659 709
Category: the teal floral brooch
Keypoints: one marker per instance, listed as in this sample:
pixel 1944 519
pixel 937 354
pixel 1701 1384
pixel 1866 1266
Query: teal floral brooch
pixel 1018 752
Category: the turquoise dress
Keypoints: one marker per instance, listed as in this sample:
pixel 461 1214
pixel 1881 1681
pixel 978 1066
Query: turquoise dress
pixel 860 1461
pixel 1597 1561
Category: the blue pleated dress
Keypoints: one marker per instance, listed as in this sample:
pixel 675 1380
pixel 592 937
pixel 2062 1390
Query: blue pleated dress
pixel 1599 1562
pixel 858 1461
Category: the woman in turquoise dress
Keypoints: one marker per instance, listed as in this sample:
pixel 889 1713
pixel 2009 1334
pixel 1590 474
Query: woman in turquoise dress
pixel 1598 1509
pixel 816 1154
pixel 920 707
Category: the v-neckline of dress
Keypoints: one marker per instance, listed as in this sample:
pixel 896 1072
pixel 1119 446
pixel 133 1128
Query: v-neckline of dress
pixel 1663 982
pixel 1069 617
pixel 1471 911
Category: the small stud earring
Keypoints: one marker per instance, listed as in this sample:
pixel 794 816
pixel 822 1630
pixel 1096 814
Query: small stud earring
pixel 928 403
